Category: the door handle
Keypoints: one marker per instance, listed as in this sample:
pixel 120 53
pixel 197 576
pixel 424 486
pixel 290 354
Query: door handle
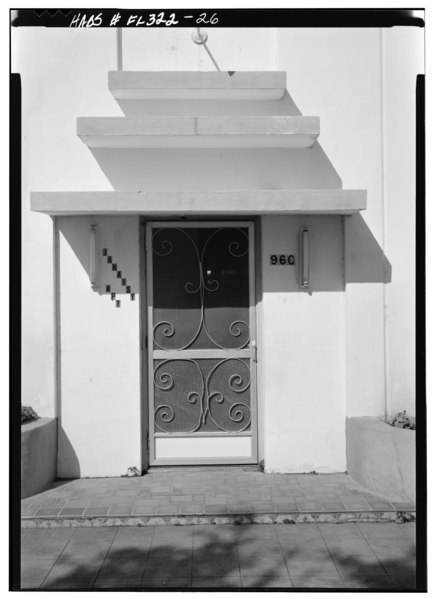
pixel 254 347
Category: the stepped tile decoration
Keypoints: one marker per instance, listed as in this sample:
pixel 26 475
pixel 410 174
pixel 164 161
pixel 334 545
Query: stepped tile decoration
pixel 108 288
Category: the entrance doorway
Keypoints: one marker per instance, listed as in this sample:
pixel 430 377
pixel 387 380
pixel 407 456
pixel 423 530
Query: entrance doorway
pixel 201 343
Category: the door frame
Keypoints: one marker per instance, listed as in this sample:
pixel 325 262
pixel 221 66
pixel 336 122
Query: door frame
pixel 150 459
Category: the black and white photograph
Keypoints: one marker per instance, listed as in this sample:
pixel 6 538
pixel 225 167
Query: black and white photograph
pixel 218 222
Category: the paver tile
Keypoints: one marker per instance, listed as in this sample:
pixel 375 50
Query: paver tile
pixel 264 566
pixel 193 508
pixel 72 568
pixel 129 549
pixel 144 510
pixel 264 582
pixel 350 566
pixel 117 583
pixel 46 512
pixel 348 546
pixel 216 509
pixel 256 551
pixel 35 569
pixel 90 549
pixel 173 533
pixel 213 535
pixel 176 566
pixel 27 585
pixel 218 565
pixel 91 534
pixel 392 546
pixel 379 505
pixel 335 506
pixel 298 531
pixel 181 498
pixel 369 582
pixel 316 581
pixel 168 549
pixel 122 509
pixel 217 582
pixel 398 566
pixel 68 584
pixel 131 532
pixel 97 511
pixel 340 530
pixel 303 568
pixel 116 567
pixel 405 582
pixel 215 500
pixel 308 506
pixel 46 550
pixel 72 511
pixel 379 529
pixel 404 506
pixel 167 583
pixel 43 535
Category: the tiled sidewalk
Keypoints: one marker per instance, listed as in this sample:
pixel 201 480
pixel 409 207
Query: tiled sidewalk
pixel 363 555
pixel 202 494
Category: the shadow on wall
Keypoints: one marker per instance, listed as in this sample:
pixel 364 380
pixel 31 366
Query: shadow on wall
pixel 230 557
pixel 331 264
pixel 218 168
pixel 141 169
pixel 70 461
pixel 285 106
pixel 365 259
pixel 116 235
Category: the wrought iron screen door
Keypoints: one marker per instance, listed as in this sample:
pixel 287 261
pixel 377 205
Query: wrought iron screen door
pixel 201 343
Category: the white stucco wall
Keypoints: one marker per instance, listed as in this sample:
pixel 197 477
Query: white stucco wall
pixel 56 66
pixel 362 84
pixel 336 73
pixel 100 399
pixel 303 376
pixel 403 59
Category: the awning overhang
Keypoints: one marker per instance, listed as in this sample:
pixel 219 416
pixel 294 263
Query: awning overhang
pixel 194 203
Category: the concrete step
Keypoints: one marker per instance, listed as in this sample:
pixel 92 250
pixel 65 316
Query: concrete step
pixel 199 132
pixel 215 496
pixel 197 85
pixel 188 519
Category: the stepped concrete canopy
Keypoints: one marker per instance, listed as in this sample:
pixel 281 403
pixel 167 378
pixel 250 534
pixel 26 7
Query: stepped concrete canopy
pixel 202 132
pixel 197 85
pixel 200 203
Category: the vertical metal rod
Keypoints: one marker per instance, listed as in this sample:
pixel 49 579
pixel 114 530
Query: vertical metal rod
pixel 304 259
pixel 119 48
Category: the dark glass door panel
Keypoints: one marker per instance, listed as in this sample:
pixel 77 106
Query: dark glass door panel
pixel 201 294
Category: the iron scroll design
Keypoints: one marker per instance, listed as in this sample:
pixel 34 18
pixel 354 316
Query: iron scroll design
pixel 221 407
pixel 238 328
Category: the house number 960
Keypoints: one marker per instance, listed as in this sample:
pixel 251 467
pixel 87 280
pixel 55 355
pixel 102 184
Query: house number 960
pixel 282 259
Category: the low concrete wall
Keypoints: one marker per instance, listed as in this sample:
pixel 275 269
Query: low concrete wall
pixel 381 457
pixel 38 455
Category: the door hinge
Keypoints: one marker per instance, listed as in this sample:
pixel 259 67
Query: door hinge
pixel 148 443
